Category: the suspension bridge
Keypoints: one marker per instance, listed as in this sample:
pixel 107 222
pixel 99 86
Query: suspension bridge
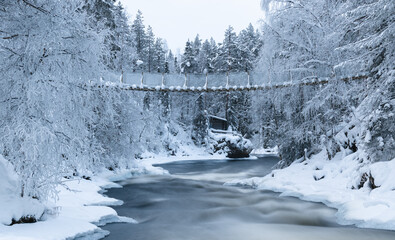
pixel 237 82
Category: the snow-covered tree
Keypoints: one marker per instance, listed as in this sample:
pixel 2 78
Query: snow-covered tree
pixel 49 52
pixel 314 38
pixel 229 55
pixel 139 38
pixel 250 43
pixel 124 52
pixel 159 58
pixel 188 63
pixel 150 49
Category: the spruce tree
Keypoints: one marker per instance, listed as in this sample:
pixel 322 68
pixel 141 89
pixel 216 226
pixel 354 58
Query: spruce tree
pixel 170 63
pixel 139 38
pixel 188 59
pixel 249 45
pixel 149 49
pixel 229 52
pixel 124 52
pixel 159 56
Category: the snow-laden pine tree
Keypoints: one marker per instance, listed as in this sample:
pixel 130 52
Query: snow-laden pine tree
pixel 188 63
pixel 139 39
pixel 250 43
pixel 229 54
pixel 149 51
pixel 170 62
pixel 206 56
pixel 367 46
pixel 123 49
pixel 158 64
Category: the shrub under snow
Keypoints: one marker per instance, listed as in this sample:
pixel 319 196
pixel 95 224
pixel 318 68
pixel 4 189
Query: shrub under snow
pixel 232 144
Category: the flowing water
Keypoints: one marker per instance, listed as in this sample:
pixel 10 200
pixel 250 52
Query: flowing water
pixel 193 204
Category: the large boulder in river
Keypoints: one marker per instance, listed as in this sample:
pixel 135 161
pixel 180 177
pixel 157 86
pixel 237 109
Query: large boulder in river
pixel 230 143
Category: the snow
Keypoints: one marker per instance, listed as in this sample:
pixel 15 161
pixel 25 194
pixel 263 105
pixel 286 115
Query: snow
pixel 334 182
pixel 79 211
pixel 265 151
pixel 196 157
pixel 12 205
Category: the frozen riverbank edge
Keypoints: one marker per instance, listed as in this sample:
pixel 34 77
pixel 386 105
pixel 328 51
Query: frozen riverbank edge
pixel 78 214
pixel 81 208
pixel 335 183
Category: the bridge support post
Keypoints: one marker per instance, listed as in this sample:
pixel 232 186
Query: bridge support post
pixel 227 80
pixel 206 84
pixel 248 80
pixel 142 79
pixel 163 80
pixel 121 79
pixel 186 81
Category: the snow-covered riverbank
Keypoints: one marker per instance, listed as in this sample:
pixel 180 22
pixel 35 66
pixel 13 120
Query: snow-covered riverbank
pixel 81 207
pixel 79 211
pixel 363 193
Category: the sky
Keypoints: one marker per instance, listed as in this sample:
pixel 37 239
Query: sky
pixel 180 20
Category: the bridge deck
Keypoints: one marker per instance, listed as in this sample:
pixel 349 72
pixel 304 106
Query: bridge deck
pixel 164 88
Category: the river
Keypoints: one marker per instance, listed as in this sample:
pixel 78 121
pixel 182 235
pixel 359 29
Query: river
pixel 193 204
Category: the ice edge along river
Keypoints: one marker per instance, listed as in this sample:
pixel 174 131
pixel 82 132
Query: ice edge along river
pixel 193 203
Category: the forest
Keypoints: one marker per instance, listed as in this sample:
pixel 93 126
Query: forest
pixel 55 124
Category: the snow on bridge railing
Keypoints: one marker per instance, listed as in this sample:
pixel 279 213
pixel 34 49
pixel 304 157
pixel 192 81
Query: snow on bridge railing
pixel 209 83
pixel 189 80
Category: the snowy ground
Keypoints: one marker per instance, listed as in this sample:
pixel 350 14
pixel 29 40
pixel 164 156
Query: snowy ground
pixel 79 212
pixel 335 183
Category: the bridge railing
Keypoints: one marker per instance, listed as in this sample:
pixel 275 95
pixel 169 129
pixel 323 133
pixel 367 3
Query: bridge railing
pixel 189 80
pixel 241 80
pixel 211 83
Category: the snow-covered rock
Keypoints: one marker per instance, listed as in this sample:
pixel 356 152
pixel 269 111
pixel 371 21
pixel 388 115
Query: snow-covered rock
pixel 233 144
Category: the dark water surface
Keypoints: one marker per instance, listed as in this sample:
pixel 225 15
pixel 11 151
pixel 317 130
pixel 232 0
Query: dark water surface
pixel 193 204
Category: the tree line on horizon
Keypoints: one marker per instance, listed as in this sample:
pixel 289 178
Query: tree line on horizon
pixel 135 47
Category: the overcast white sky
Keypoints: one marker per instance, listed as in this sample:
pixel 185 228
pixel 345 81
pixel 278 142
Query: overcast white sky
pixel 178 20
